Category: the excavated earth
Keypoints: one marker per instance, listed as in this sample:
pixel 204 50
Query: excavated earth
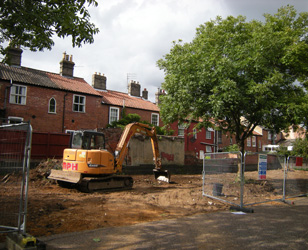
pixel 53 209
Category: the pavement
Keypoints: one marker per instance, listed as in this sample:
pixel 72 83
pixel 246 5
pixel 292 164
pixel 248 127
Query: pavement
pixel 282 226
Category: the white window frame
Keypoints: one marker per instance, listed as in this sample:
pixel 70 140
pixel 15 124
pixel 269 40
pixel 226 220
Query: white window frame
pixel 208 134
pixel 260 144
pixel 55 111
pixel 269 135
pixel 249 142
pixel 254 141
pixel 155 123
pixel 208 149
pixel 181 130
pixel 79 104
pixel 18 98
pixel 110 114
pixel 15 119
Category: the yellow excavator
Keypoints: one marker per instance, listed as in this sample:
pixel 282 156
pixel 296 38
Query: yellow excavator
pixel 88 166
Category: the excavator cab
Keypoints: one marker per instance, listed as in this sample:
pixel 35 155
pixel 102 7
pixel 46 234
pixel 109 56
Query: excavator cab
pixel 87 140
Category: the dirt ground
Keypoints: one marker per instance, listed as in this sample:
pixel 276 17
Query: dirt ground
pixel 53 209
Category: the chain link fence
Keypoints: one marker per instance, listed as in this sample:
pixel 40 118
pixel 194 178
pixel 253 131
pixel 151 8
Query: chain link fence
pixel 253 178
pixel 15 149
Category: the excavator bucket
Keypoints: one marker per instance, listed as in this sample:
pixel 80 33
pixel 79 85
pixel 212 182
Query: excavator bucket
pixel 162 175
pixel 67 176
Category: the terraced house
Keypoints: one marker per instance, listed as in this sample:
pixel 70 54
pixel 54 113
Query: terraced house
pixel 60 102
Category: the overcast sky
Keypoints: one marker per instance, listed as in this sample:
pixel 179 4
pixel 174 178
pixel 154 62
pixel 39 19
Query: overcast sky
pixel 134 34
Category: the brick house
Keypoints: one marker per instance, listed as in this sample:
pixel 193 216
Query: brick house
pixel 196 142
pixel 62 102
pixel 116 103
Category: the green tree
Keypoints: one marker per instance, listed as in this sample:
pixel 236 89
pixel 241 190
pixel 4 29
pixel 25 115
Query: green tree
pixel 241 74
pixel 32 24
pixel 130 118
pixel 300 148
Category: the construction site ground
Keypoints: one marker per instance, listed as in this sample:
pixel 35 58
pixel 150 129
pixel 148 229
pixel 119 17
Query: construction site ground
pixel 55 210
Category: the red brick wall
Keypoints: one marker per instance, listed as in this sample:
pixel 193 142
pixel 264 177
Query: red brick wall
pixel 36 111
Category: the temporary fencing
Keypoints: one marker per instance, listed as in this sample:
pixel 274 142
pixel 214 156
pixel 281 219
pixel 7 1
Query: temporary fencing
pixel 253 178
pixel 264 178
pixel 15 150
pixel 296 175
pixel 221 179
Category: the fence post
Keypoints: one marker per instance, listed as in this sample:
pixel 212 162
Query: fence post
pixel 243 158
pixel 286 165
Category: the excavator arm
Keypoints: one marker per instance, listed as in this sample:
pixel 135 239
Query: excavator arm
pixel 122 147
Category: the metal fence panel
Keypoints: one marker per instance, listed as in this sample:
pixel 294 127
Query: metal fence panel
pixel 264 178
pixel 221 178
pixel 15 145
pixel 296 173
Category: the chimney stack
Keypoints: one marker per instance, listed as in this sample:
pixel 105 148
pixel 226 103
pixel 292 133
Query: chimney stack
pixel 99 81
pixel 67 65
pixel 134 88
pixel 13 56
pixel 145 94
pixel 159 93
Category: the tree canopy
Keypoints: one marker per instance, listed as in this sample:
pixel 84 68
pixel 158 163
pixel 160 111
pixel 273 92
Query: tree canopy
pixel 239 74
pixel 32 24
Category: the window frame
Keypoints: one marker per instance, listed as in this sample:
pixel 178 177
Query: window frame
pixel 254 141
pixel 13 96
pixel 195 133
pixel 157 117
pixel 118 114
pixel 79 104
pixel 55 108
pixel 208 134
pixel 208 149
pixel 181 127
pixel 249 142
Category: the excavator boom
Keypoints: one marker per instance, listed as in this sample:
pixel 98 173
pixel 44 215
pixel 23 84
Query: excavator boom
pixel 144 129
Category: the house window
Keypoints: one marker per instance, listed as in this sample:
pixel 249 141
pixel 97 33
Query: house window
pixel 260 144
pixel 155 119
pixel 195 133
pixel 113 115
pixel 254 143
pixel 208 149
pixel 249 142
pixel 52 106
pixel 208 134
pixel 15 120
pixel 18 94
pixel 219 139
pixel 181 130
pixel 79 103
pixel 269 135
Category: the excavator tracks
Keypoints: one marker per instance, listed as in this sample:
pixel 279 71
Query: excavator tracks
pixel 105 184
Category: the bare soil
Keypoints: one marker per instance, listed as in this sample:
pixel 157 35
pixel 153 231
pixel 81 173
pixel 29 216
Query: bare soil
pixel 53 209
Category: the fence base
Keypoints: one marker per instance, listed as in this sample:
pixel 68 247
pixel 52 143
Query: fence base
pixel 18 241
pixel 242 209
